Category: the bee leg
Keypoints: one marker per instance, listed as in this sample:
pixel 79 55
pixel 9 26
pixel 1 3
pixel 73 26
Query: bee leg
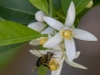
pixel 46 66
pixel 55 57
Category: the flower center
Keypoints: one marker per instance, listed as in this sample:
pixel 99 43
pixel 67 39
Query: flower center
pixel 66 34
pixel 43 40
pixel 53 64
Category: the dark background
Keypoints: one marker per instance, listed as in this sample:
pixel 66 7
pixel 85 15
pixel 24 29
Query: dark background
pixel 90 51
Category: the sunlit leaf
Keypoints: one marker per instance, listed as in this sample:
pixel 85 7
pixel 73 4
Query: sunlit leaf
pixel 41 5
pixel 11 33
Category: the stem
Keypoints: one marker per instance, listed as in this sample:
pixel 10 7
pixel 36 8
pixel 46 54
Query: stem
pixel 59 15
pixel 50 7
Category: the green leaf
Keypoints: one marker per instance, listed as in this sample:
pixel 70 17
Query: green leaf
pixel 57 4
pixel 11 33
pixel 9 47
pixel 20 11
pixel 79 5
pixel 41 5
pixel 61 14
pixel 1 18
pixel 42 70
pixel 96 2
pixel 40 47
pixel 7 57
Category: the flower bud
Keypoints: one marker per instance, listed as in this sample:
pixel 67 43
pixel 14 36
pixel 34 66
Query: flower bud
pixel 90 4
pixel 37 26
pixel 39 16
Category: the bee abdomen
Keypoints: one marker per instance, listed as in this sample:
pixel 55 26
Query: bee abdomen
pixel 40 61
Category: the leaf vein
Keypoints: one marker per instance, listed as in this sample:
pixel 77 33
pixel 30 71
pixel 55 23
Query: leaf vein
pixel 17 10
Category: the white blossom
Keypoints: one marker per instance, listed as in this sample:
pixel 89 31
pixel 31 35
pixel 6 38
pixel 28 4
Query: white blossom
pixel 39 16
pixel 67 32
pixel 37 26
pixel 42 40
pixel 40 26
pixel 59 56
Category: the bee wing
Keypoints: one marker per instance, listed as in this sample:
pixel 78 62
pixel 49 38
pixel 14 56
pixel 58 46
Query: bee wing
pixel 36 53
pixel 34 69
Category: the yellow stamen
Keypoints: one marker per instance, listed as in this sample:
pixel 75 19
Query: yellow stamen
pixel 53 64
pixel 43 40
pixel 67 34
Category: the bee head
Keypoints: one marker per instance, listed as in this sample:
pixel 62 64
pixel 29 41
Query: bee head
pixel 50 54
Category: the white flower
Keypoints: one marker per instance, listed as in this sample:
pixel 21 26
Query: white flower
pixel 40 26
pixel 39 16
pixel 37 26
pixel 67 33
pixel 59 57
pixel 42 40
pixel 39 41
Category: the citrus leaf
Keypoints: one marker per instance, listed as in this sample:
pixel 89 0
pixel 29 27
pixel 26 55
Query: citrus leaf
pixel 7 57
pixel 9 47
pixel 41 5
pixel 12 32
pixel 20 11
pixel 79 5
pixel 57 4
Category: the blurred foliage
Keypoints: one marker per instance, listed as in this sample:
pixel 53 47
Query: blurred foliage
pixel 9 47
pixel 42 70
pixel 96 2
pixel 7 57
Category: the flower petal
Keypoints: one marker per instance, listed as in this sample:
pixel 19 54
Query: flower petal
pixel 53 41
pixel 39 16
pixel 53 23
pixel 57 53
pixel 70 15
pixel 45 51
pixel 74 64
pixel 77 54
pixel 36 53
pixel 34 42
pixel 48 30
pixel 62 45
pixel 70 48
pixel 83 35
pixel 57 47
pixel 57 72
pixel 38 26
pixel 49 36
pixel 39 53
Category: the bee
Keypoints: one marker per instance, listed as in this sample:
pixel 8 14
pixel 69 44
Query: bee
pixel 42 60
